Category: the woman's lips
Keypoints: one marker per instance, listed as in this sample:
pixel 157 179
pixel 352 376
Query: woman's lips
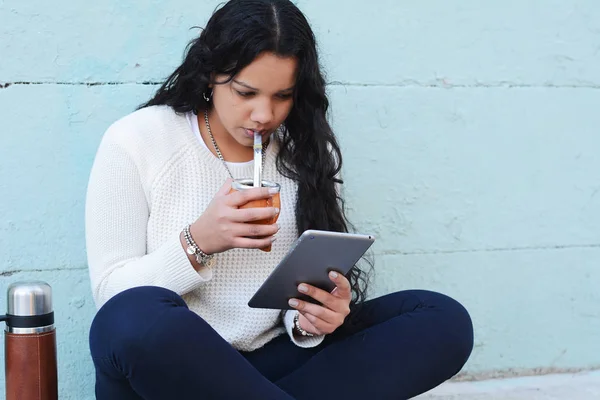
pixel 250 132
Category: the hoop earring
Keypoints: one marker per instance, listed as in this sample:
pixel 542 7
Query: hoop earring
pixel 207 98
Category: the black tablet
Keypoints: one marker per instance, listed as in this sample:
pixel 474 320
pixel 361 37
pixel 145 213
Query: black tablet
pixel 310 259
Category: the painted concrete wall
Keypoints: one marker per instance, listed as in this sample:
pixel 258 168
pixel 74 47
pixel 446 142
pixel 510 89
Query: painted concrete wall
pixel 471 132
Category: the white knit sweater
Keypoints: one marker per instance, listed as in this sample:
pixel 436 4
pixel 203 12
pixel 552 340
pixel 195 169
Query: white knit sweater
pixel 151 176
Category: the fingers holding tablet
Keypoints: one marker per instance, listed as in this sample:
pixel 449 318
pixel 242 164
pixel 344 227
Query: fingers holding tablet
pixel 342 286
pixel 335 307
pixel 315 258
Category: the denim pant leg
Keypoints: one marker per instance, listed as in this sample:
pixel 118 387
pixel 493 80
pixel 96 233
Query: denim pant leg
pixel 147 344
pixel 395 347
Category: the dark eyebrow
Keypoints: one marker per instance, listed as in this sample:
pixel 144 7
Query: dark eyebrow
pixel 256 90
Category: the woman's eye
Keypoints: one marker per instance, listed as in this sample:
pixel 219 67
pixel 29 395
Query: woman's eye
pixel 245 94
pixel 285 96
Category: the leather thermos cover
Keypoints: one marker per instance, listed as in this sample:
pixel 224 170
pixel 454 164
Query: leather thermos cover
pixel 30 366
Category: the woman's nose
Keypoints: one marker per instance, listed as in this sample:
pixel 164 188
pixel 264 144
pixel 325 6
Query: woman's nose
pixel 262 113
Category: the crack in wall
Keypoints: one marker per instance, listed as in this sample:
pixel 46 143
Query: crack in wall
pixel 12 272
pixel 26 83
pixel 491 250
pixel 407 84
pixel 444 84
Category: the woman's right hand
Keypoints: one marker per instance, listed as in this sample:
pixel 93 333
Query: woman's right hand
pixel 224 226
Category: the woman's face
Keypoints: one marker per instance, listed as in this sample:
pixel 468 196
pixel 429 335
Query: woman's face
pixel 259 98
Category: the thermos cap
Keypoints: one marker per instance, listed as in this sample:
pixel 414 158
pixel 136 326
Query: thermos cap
pixel 29 298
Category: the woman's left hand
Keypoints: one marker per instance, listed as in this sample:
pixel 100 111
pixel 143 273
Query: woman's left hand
pixel 326 318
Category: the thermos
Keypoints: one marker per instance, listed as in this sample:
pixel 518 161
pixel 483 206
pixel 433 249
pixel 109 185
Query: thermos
pixel 30 342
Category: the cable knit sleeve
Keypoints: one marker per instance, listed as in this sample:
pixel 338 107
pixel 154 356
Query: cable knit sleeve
pixel 116 222
pixel 305 342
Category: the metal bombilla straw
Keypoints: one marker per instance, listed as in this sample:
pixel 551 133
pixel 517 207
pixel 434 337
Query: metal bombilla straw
pixel 257 159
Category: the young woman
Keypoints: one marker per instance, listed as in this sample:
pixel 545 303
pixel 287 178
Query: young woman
pixel 173 323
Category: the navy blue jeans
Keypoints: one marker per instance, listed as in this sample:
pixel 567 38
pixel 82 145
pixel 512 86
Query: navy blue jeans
pixel 145 345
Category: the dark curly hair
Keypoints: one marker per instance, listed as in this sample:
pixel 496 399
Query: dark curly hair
pixel 310 155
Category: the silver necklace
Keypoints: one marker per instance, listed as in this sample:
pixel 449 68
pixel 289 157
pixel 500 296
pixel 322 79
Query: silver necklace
pixel 218 151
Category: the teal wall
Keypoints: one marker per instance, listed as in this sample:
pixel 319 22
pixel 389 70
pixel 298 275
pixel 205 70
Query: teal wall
pixel 471 132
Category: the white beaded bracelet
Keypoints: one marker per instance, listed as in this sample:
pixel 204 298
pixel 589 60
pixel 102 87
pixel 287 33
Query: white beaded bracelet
pixel 299 328
pixel 193 250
